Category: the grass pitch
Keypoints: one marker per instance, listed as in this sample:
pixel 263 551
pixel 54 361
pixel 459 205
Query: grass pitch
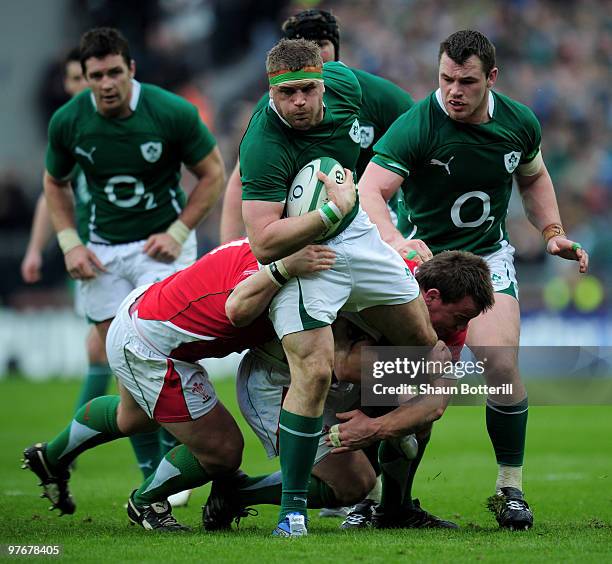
pixel 567 482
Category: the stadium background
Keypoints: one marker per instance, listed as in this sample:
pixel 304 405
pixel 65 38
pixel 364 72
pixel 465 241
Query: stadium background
pixel 554 56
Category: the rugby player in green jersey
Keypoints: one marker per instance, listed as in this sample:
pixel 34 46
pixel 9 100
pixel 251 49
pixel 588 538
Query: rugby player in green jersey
pixel 455 154
pixel 98 374
pixel 130 140
pixel 313 111
pixel 382 102
pixel 148 447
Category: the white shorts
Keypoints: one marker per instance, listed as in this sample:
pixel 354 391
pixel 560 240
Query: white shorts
pixel 261 387
pixel 127 267
pixel 79 305
pixel 503 273
pixel 368 272
pixel 168 390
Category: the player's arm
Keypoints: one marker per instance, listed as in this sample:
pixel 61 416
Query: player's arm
pixel 80 261
pixel 40 234
pixel 359 430
pixel 251 297
pixel 271 237
pixel 232 226
pixel 376 187
pixel 540 204
pixel 210 172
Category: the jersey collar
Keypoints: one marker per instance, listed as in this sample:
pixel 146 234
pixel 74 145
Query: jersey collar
pixel 136 88
pixel 490 108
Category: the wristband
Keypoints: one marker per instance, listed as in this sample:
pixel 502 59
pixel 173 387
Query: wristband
pixel 553 230
pixel 68 239
pixel 178 231
pixel 280 265
pixel 330 214
pixel 277 275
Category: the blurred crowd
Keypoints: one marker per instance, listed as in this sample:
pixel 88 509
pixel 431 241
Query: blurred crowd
pixel 554 56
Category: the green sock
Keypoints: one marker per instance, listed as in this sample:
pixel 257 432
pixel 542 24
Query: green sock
pixel 507 427
pixel 298 442
pixel 167 441
pixel 394 473
pixel 94 423
pixel 147 450
pixel 413 467
pixel 179 470
pixel 267 489
pixel 95 384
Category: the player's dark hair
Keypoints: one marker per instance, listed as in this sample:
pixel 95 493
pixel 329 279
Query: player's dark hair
pixel 73 56
pixel 314 25
pixel 293 54
pixel 101 42
pixel 461 45
pixel 457 274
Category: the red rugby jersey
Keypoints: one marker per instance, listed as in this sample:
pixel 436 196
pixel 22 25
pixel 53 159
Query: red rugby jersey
pixel 190 305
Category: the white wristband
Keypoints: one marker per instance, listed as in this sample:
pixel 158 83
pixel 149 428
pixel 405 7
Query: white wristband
pixel 178 231
pixel 68 239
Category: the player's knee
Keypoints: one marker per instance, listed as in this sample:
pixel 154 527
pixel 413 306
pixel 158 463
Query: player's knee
pixel 223 460
pixel 501 370
pixel 353 490
pixel 96 351
pixel 132 421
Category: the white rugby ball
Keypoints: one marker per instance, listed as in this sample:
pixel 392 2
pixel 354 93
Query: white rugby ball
pixel 308 193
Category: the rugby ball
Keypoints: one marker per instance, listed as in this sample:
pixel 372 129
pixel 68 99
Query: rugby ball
pixel 307 193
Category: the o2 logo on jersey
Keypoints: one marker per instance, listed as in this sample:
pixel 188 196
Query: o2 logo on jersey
pixel 124 183
pixel 484 216
pixel 151 151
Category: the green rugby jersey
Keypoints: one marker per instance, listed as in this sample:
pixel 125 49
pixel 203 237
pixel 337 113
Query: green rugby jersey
pixel 132 165
pixel 458 177
pixel 82 203
pixel 272 152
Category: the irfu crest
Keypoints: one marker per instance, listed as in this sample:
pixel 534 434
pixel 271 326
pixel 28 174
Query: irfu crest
pixel 151 151
pixel 511 160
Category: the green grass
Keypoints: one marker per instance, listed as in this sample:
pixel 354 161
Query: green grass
pixel 567 479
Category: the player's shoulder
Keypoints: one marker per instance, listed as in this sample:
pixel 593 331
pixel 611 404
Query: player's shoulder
pixel 378 84
pixel 511 111
pixel 163 103
pixel 341 80
pixel 74 109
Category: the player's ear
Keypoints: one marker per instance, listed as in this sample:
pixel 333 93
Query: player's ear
pixel 132 68
pixel 492 78
pixel 431 296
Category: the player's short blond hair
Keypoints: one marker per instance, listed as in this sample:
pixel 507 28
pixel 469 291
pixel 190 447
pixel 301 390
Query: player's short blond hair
pixel 293 55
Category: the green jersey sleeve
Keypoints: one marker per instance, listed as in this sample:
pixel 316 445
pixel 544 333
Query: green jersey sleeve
pixel 195 139
pixel 533 133
pixel 264 163
pixel 59 160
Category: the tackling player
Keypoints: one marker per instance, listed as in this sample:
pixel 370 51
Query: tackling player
pixel 456 154
pixel 456 287
pixel 153 346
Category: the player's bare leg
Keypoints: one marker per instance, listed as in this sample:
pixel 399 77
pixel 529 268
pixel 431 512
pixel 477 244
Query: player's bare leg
pixel 212 447
pixel 494 335
pixel 310 355
pixel 403 325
